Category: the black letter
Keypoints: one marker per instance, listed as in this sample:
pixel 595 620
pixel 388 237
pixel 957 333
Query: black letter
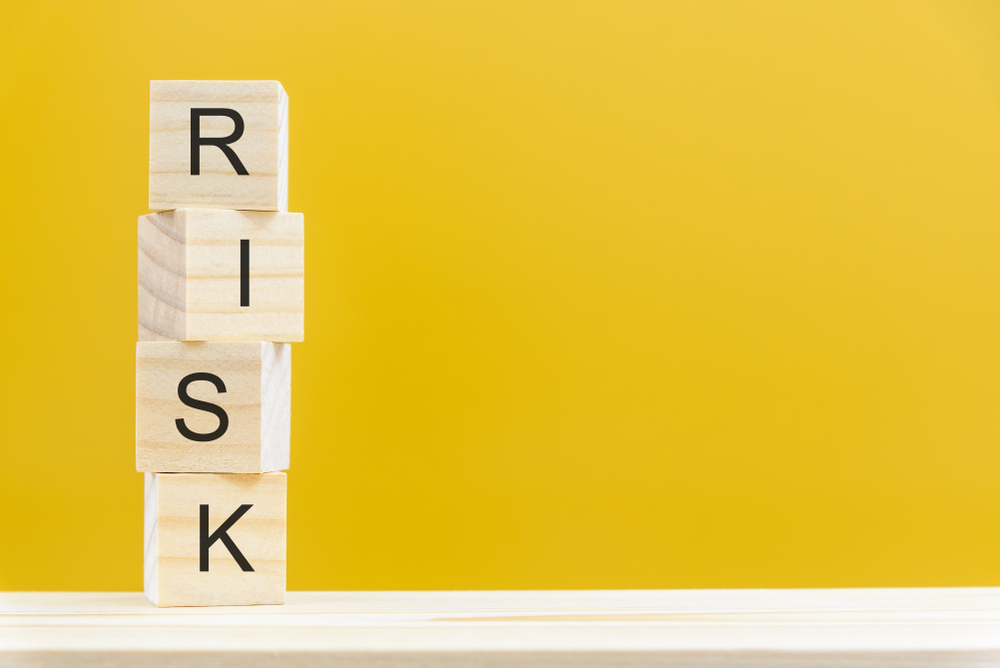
pixel 220 534
pixel 197 141
pixel 201 405
pixel 244 272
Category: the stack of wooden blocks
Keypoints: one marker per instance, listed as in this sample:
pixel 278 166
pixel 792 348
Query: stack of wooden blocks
pixel 221 295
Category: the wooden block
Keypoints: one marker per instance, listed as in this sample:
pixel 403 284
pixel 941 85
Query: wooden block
pixel 218 145
pixel 214 539
pixel 213 275
pixel 212 407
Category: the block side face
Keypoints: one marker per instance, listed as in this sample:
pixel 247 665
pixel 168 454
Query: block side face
pixel 162 270
pixel 275 301
pixel 150 543
pixel 173 183
pixel 276 414
pixel 282 151
pixel 217 426
pixel 258 534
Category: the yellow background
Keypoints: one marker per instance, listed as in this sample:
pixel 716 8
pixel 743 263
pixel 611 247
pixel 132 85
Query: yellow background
pixel 663 294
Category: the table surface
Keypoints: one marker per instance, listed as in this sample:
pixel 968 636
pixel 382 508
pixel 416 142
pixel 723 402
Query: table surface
pixel 791 627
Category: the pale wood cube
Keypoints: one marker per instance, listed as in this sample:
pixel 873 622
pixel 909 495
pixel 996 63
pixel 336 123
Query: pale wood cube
pixel 212 407
pixel 218 145
pixel 214 275
pixel 214 539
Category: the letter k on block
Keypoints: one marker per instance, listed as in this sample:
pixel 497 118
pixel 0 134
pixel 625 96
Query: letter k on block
pixel 221 534
pixel 184 563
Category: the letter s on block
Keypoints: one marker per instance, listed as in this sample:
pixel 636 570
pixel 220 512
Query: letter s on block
pixel 187 400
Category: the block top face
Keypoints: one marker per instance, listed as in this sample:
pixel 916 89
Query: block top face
pixel 218 145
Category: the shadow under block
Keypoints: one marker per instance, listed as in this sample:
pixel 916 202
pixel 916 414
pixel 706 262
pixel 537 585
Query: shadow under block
pixel 196 273
pixel 245 170
pixel 212 407
pixel 214 539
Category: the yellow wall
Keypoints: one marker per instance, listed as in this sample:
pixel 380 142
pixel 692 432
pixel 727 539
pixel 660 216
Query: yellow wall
pixel 663 294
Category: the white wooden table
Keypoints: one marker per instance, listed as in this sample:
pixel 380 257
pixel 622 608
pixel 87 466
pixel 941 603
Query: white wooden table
pixel 789 628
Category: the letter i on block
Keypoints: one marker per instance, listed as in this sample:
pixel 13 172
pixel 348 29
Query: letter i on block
pixel 214 539
pixel 211 275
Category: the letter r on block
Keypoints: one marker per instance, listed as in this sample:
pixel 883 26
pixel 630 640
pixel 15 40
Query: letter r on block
pixel 218 145
pixel 197 141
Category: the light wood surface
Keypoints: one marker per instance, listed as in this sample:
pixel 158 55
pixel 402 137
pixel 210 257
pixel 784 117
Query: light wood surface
pixel 174 572
pixel 703 628
pixel 257 378
pixel 262 149
pixel 191 269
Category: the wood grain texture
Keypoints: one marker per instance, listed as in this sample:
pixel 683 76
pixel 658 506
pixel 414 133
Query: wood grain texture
pixel 172 575
pixel 190 276
pixel 257 402
pixel 701 628
pixel 262 149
